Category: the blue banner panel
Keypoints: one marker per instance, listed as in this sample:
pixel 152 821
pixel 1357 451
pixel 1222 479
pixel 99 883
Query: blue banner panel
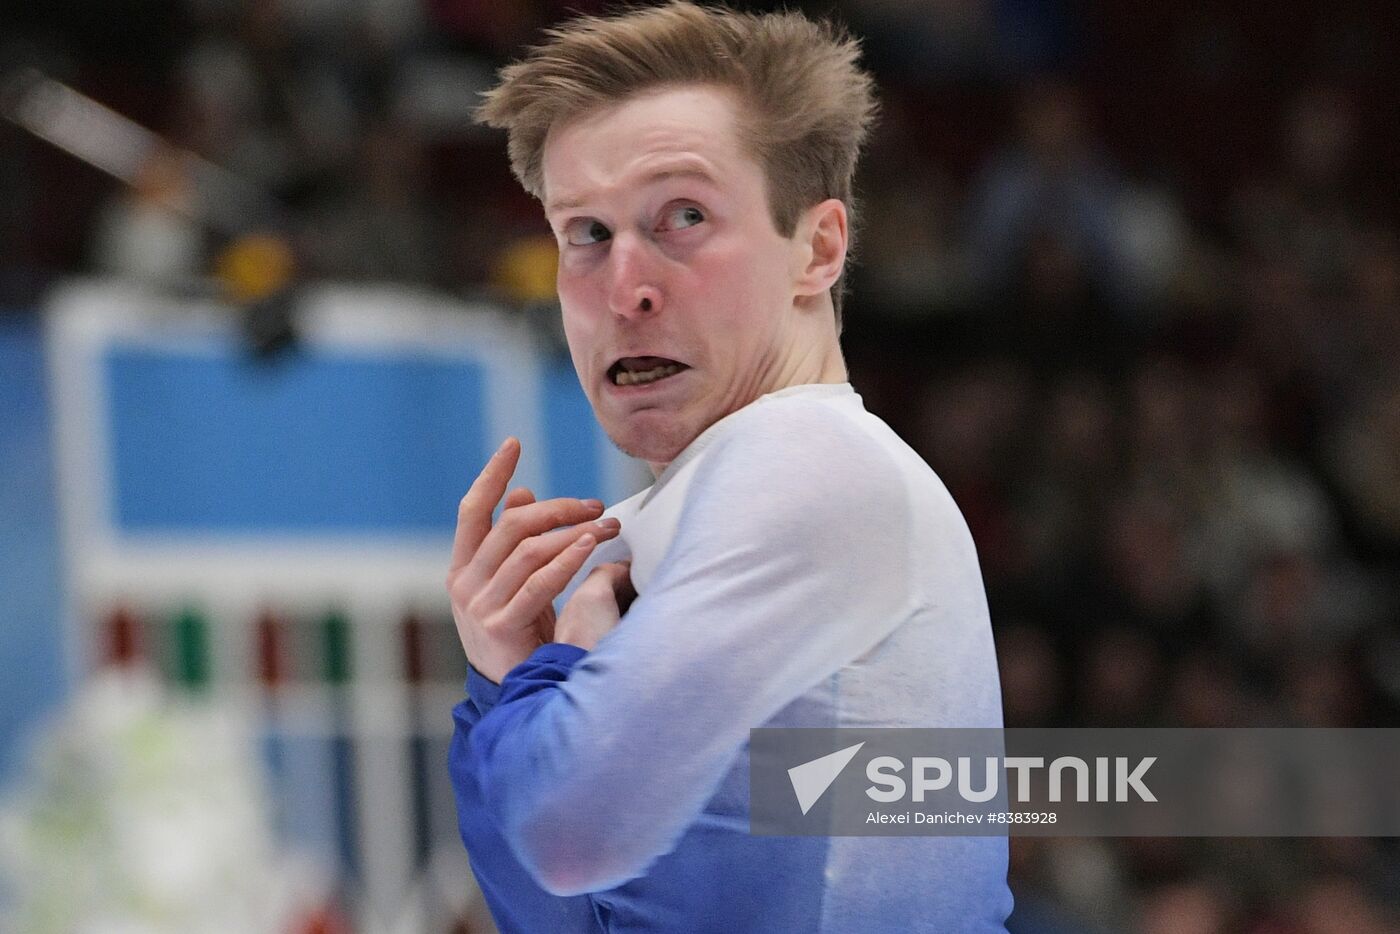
pixel 215 442
pixel 574 467
pixel 33 676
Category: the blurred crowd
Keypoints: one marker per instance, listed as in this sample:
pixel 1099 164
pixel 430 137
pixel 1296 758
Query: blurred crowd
pixel 1128 279
pixel 1173 424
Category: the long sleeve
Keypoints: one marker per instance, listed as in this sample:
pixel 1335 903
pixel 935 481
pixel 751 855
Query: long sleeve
pixel 482 695
pixel 517 902
pixel 790 560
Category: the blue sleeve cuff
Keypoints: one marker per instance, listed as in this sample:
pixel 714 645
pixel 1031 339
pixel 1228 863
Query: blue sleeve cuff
pixel 481 689
pixel 558 653
pixel 547 667
pixel 553 659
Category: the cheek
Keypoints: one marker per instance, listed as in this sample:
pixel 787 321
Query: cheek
pixel 581 302
pixel 731 280
pixel 573 286
pixel 741 293
pixel 580 332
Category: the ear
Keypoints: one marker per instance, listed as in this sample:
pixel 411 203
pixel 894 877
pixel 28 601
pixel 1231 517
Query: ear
pixel 822 237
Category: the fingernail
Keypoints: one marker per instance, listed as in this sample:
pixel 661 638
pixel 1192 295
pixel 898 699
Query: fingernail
pixel 593 503
pixel 609 523
pixel 585 540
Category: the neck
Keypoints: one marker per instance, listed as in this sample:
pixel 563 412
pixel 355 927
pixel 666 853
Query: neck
pixel 820 361
pixel 815 358
pixel 829 366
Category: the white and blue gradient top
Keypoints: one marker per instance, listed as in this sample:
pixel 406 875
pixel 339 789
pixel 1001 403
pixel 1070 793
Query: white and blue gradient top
pixel 798 565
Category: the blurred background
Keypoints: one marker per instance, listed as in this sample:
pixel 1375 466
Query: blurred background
pixel 1128 277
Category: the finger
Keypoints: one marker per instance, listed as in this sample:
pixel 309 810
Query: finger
pixel 474 512
pixel 517 524
pixel 610 581
pixel 541 587
pixel 537 551
pixel 520 496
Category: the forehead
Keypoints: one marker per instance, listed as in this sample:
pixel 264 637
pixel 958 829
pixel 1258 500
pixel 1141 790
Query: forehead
pixel 669 131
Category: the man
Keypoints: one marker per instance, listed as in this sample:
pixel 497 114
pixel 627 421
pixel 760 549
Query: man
pixel 794 565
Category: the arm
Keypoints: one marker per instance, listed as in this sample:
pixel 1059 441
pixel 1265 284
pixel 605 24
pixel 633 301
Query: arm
pixel 789 562
pixel 517 902
pixel 502 579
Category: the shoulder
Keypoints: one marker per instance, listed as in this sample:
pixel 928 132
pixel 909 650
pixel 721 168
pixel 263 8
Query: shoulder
pixel 801 452
pixel 810 431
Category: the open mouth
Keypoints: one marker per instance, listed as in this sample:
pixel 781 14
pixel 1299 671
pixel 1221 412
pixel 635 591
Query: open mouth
pixel 635 371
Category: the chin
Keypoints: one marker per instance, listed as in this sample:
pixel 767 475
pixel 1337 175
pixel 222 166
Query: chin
pixel 658 440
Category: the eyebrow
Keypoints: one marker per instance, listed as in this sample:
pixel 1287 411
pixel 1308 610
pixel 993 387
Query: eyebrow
pixel 660 175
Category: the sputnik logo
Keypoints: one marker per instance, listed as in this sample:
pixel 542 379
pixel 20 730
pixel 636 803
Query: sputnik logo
pixel 810 780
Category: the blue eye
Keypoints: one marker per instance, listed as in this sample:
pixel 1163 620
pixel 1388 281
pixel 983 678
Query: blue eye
pixel 682 216
pixel 584 231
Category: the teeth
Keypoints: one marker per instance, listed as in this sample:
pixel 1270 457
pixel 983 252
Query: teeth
pixel 630 377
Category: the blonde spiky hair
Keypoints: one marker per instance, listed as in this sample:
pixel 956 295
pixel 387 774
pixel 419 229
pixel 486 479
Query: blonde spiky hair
pixel 807 103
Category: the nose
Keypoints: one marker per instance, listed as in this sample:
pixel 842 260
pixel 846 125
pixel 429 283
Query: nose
pixel 636 288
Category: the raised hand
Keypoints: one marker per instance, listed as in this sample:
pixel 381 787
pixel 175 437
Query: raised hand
pixel 504 577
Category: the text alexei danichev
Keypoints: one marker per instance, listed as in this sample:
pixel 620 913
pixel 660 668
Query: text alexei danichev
pixel 958 817
pixel 920 817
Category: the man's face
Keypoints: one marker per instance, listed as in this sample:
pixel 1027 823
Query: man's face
pixel 677 290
